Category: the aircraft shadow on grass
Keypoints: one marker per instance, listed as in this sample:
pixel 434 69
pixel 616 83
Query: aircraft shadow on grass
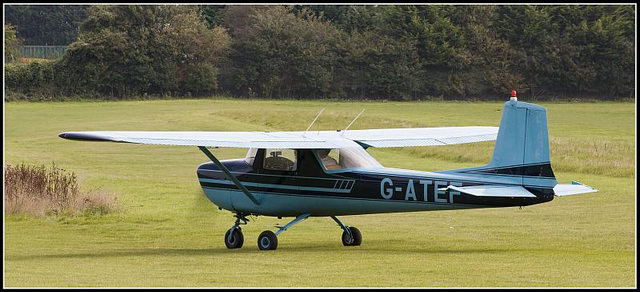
pixel 153 252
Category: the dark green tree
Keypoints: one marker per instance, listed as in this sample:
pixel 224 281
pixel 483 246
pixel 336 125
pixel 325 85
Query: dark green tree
pixel 372 66
pixel 127 50
pixel 337 51
pixel 46 24
pixel 212 15
pixel 11 43
pixel 277 54
pixel 489 68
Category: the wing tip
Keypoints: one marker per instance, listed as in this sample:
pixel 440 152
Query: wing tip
pixel 82 136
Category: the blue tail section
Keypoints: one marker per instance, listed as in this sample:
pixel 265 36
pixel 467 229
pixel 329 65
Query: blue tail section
pixel 523 138
pixel 522 146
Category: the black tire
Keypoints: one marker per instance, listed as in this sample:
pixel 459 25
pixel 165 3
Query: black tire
pixel 354 240
pixel 237 239
pixel 267 240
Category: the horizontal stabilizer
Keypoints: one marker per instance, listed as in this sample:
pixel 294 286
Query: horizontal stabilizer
pixel 572 189
pixel 496 191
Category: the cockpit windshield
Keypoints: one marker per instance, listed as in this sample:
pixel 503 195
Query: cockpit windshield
pixel 348 157
pixel 251 156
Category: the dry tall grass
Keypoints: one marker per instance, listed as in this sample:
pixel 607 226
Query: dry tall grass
pixel 42 191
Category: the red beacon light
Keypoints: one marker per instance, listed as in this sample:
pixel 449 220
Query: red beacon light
pixel 513 97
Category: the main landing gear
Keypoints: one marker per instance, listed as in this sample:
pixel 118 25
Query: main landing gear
pixel 351 236
pixel 268 240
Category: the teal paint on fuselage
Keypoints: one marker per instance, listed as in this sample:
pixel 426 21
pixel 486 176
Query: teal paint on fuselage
pixel 334 202
pixel 288 205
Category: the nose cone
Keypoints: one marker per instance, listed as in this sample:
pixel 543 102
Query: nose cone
pixel 237 166
pixel 207 166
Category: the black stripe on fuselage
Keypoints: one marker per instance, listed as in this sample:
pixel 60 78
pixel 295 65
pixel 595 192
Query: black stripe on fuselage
pixel 531 170
pixel 339 182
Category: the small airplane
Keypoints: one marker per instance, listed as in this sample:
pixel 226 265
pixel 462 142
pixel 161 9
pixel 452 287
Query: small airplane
pixel 330 173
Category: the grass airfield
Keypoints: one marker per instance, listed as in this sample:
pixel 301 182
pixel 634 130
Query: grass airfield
pixel 169 234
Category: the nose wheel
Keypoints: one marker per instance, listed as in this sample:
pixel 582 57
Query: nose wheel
pixel 234 238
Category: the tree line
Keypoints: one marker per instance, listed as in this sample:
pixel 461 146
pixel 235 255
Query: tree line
pixel 401 52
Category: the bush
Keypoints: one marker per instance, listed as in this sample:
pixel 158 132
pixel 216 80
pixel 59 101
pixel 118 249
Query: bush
pixel 25 76
pixel 126 51
pixel 277 54
pixel 200 78
pixel 133 50
pixel 36 79
pixel 372 65
pixel 40 191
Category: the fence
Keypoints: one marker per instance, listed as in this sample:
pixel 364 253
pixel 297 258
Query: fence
pixel 42 52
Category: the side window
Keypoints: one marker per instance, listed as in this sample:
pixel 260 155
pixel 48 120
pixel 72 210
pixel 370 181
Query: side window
pixel 330 158
pixel 280 159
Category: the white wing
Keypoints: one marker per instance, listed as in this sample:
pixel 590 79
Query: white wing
pixel 293 140
pixel 422 136
pixel 297 140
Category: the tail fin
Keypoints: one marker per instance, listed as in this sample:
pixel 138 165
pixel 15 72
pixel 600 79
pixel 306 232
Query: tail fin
pixel 521 154
pixel 522 146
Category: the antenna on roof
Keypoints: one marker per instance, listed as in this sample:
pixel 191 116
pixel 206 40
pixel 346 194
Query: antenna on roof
pixel 314 120
pixel 353 121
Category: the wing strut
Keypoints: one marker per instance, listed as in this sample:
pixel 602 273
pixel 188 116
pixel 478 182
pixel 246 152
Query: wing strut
pixel 228 174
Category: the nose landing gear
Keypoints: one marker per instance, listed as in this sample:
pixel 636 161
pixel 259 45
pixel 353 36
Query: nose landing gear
pixel 234 238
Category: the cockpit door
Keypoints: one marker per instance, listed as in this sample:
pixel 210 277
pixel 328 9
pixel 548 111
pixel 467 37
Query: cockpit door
pixel 277 170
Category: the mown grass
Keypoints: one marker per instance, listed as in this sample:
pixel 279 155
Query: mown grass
pixel 170 235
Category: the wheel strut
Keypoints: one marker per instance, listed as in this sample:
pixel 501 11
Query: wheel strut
pixel 269 240
pixel 234 238
pixel 293 222
pixel 239 217
pixel 344 227
pixel 351 235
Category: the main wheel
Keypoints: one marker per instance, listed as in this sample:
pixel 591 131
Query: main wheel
pixel 235 240
pixel 354 240
pixel 267 240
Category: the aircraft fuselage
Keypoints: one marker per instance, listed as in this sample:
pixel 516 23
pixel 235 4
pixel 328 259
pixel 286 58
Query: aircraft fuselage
pixel 350 191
